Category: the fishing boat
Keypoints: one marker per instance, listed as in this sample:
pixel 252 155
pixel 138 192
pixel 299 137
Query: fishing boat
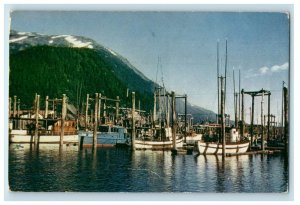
pixel 233 145
pixel 159 140
pixel 107 136
pixel 220 144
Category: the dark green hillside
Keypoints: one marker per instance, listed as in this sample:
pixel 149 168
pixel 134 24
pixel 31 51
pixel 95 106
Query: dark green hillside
pixel 53 71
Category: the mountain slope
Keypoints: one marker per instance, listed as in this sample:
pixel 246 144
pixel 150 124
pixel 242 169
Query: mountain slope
pixel 126 73
pixel 53 71
pixel 53 65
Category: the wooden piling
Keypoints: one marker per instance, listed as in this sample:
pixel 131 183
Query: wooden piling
pixel 95 122
pixel 133 123
pixel 15 106
pixel 53 108
pixel 252 121
pixel 174 148
pixel 168 111
pixel 117 108
pixel 46 107
pixel 286 120
pixel 9 107
pixel 104 111
pixel 18 108
pixel 243 114
pixel 99 108
pixel 63 116
pixel 86 112
pixel 18 114
pixel 37 108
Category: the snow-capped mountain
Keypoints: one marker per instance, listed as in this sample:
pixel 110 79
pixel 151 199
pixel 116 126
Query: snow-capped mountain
pixel 21 40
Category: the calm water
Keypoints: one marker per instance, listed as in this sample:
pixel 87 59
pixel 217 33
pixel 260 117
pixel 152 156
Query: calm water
pixel 120 170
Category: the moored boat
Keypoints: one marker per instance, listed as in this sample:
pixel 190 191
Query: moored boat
pixel 233 145
pixel 164 142
pixel 107 136
pixel 51 135
pixel 216 148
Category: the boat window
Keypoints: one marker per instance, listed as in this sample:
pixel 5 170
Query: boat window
pixel 103 128
pixel 114 129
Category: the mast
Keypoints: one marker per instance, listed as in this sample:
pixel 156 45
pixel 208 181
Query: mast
pixel 239 94
pixel 225 76
pixel 235 101
pixel 223 118
pixel 218 82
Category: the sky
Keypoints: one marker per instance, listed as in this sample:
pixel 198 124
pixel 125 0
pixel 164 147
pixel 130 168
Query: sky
pixel 186 44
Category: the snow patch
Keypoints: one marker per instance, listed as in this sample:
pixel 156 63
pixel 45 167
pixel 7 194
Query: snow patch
pixel 18 39
pixel 22 33
pixel 77 43
pixel 59 36
pixel 112 52
pixel 51 41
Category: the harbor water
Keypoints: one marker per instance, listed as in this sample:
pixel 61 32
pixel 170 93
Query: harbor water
pixel 50 169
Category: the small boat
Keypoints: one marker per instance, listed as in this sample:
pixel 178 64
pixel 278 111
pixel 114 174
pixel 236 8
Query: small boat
pixel 107 136
pixel 233 146
pixel 163 143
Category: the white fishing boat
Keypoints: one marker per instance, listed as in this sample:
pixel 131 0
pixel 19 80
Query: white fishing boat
pixel 164 143
pixel 234 145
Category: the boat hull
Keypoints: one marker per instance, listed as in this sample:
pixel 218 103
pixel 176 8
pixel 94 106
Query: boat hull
pixel 157 145
pixel 216 148
pixel 21 136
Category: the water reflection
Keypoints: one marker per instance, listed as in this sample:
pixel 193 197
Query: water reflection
pixel 50 168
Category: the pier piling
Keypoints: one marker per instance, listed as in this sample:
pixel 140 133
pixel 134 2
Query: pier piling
pixel 9 107
pixel 37 108
pixel 268 125
pixel 86 112
pixel 252 121
pixel 262 123
pixel 286 122
pixel 117 108
pixel 95 122
pixel 133 123
pixel 63 116
pixel 15 106
pixel 46 107
pixel 174 148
